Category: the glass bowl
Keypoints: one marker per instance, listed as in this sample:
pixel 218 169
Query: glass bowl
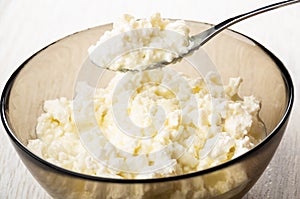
pixel 51 73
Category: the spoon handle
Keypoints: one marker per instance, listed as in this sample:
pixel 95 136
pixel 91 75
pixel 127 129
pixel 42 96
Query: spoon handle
pixel 205 36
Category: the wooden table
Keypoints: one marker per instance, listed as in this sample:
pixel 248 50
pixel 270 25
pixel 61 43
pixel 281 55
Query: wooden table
pixel 27 26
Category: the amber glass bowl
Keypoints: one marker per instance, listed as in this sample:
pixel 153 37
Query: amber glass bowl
pixel 51 73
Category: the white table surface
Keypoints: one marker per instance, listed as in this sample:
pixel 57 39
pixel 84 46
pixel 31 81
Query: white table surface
pixel 27 26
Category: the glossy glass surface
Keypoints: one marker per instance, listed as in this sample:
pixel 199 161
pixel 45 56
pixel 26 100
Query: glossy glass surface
pixel 52 72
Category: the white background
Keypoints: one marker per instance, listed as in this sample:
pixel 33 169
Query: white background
pixel 27 26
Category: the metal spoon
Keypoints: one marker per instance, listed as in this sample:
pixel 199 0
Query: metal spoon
pixel 200 39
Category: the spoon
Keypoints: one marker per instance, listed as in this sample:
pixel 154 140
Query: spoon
pixel 200 39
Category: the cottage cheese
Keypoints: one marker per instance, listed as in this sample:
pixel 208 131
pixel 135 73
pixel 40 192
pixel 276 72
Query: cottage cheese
pixel 221 131
pixel 58 139
pixel 129 36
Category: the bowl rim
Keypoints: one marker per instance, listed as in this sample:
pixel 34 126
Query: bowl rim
pixel 5 121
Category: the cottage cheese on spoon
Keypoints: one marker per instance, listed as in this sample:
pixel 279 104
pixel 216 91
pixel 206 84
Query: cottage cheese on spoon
pixel 129 33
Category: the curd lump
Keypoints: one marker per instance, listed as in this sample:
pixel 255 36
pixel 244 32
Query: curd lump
pixel 224 120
